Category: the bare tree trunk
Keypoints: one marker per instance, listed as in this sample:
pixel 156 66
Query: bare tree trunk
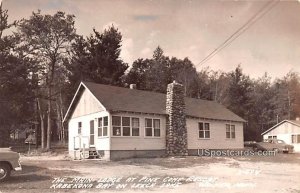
pixel 62 117
pixel 289 103
pixel 58 122
pixel 41 114
pixel 43 142
pixel 36 134
pixel 62 131
pixel 49 119
pixel 36 112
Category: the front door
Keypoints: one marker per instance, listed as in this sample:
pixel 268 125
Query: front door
pixel 92 133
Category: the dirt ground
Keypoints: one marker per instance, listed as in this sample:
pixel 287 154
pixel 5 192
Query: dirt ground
pixel 191 174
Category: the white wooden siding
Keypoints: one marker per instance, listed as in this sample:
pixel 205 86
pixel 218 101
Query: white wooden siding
pixel 217 135
pixel 87 104
pixel 284 128
pixel 101 143
pixel 140 142
pixel 285 132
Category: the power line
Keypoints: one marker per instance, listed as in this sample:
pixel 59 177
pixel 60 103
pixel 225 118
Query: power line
pixel 250 22
pixel 265 9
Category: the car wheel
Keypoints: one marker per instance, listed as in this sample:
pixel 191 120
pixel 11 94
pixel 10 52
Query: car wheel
pixel 4 171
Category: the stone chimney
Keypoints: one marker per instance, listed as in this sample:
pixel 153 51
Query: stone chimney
pixel 132 86
pixel 176 139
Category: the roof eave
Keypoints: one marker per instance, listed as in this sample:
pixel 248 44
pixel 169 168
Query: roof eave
pixel 265 132
pixel 72 103
pixel 76 98
pixel 226 120
pixel 187 116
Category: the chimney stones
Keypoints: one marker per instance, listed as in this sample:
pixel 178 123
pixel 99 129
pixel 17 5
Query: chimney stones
pixel 176 139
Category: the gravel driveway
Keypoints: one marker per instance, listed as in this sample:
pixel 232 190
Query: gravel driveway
pixel 191 174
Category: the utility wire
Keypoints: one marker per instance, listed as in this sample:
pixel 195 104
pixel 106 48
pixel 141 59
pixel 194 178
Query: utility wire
pixel 265 9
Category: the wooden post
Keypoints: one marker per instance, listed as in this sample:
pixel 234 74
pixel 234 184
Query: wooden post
pixel 28 147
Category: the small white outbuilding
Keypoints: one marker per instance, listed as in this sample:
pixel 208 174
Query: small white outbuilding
pixel 286 130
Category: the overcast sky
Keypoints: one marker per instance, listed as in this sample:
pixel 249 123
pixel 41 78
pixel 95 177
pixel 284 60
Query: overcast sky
pixel 190 29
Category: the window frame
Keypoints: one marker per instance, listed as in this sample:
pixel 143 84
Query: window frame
pixel 231 131
pixel 204 130
pixel 155 128
pixel 103 127
pixel 272 137
pixel 100 120
pixel 113 125
pixel 123 127
pixel 295 138
pixel 152 128
pixel 126 126
pixel 132 126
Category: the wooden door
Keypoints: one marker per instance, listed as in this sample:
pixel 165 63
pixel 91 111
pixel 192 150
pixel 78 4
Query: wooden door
pixel 92 133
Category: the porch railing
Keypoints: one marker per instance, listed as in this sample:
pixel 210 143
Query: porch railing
pixel 81 146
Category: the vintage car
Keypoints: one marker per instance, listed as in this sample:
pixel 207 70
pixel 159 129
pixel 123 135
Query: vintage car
pixel 9 160
pixel 271 145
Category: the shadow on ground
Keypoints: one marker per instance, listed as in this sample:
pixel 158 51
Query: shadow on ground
pixel 278 158
pixel 33 177
pixel 190 161
pixel 172 162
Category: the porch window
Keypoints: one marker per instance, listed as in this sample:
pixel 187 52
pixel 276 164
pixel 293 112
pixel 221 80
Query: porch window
pixel 102 126
pixel 230 131
pixel 116 124
pixel 105 125
pixel 79 128
pixel 125 126
pixel 204 130
pixel 296 138
pixel 152 127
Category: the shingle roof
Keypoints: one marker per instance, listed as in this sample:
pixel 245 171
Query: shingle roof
pixel 132 100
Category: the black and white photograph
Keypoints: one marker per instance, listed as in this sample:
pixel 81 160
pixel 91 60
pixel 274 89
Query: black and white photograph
pixel 149 96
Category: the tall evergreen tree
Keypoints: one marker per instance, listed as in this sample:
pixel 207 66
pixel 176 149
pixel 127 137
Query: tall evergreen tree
pixel 97 58
pixel 156 73
pixel 16 96
pixel 48 38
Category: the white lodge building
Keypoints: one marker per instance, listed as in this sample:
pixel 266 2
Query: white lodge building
pixel 286 130
pixel 120 122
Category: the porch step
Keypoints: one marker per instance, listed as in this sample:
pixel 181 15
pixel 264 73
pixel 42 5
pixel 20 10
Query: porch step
pixel 93 154
pixel 79 154
pixel 88 153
